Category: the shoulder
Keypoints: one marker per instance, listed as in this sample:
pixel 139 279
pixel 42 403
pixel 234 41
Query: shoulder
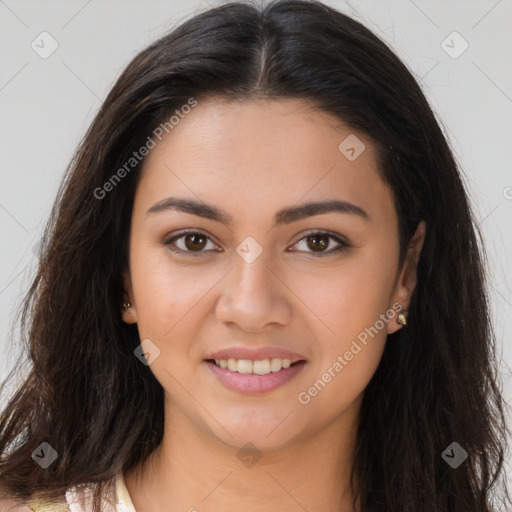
pixel 78 499
pixel 10 504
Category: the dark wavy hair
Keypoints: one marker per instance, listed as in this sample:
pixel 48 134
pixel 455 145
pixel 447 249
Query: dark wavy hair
pixel 438 382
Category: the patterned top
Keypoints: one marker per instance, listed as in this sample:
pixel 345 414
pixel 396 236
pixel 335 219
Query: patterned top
pixel 81 501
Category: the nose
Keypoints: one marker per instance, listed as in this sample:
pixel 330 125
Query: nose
pixel 254 297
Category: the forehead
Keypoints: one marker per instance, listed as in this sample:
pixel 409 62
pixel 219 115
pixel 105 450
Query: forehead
pixel 279 152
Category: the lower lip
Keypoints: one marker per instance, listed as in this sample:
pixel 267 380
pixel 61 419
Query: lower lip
pixel 252 384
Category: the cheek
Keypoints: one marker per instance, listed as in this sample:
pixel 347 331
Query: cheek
pixel 166 294
pixel 352 295
pixel 353 304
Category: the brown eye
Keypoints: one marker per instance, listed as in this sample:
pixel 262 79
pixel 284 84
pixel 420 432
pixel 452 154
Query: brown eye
pixel 191 242
pixel 195 241
pixel 318 243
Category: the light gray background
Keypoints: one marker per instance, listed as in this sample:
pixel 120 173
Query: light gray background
pixel 47 104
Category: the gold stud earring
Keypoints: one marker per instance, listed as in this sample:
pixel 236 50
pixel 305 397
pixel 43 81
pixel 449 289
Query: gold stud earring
pixel 402 320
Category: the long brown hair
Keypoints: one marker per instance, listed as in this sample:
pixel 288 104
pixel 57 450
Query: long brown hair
pixel 102 411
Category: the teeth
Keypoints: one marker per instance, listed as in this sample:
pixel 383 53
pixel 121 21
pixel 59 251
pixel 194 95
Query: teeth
pixel 261 367
pixel 275 365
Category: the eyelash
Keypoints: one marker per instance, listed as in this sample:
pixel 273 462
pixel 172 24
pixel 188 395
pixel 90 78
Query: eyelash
pixel 342 243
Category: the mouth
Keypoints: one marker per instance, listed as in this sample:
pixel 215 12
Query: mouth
pixel 254 377
pixel 255 367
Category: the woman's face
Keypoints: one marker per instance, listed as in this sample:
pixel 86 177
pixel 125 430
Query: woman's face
pixel 263 276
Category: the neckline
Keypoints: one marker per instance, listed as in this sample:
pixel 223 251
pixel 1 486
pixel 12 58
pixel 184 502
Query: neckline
pixel 123 500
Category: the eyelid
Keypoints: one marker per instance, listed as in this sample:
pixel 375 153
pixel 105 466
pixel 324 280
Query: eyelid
pixel 325 232
pixel 342 241
pixel 168 240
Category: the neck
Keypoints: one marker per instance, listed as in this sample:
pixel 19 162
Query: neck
pixel 192 470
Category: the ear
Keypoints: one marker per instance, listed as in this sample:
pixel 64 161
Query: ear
pixel 129 314
pixel 406 282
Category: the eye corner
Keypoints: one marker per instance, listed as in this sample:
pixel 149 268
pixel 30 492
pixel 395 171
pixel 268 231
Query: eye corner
pixel 342 243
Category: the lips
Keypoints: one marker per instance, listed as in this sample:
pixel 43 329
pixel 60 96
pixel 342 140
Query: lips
pixel 255 354
pixel 251 384
pixel 261 381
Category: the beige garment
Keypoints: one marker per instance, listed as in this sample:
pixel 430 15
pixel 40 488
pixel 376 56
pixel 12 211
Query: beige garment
pixel 118 500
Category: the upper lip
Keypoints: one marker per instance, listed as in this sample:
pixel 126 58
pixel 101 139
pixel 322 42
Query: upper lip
pixel 255 354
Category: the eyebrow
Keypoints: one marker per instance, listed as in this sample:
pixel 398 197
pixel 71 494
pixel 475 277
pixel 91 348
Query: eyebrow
pixel 283 216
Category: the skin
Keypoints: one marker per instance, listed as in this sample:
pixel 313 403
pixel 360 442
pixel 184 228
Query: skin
pixel 252 159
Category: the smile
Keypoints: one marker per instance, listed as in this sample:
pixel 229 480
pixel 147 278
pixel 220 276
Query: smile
pixel 260 367
pixel 253 377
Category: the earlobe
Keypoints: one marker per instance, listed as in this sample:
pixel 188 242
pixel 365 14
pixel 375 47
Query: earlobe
pixel 128 311
pixel 398 321
pixel 408 278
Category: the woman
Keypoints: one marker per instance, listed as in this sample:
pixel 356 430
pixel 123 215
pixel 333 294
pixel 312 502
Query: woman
pixel 261 287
